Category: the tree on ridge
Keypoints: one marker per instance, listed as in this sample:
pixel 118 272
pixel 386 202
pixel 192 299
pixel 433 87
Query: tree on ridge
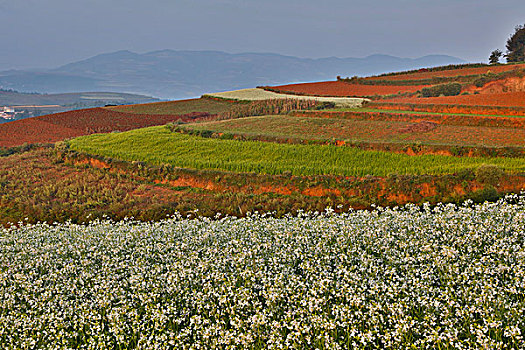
pixel 516 45
pixel 495 56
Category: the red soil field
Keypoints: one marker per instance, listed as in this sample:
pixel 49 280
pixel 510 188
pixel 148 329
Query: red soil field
pixel 367 127
pixel 506 99
pixel 452 109
pixel 56 127
pixel 441 119
pixel 450 73
pixel 342 89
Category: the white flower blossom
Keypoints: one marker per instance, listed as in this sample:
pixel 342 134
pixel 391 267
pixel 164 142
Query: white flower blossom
pixel 445 277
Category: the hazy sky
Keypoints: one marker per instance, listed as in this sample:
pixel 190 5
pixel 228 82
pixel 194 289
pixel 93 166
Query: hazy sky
pixel 49 33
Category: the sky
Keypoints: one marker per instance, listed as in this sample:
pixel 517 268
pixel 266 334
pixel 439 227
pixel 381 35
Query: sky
pixel 50 33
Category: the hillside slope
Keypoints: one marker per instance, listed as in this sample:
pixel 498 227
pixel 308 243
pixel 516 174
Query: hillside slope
pixel 56 127
pixel 310 157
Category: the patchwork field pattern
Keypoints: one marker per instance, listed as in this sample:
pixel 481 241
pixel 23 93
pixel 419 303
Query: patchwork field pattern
pixel 43 185
pixel 218 135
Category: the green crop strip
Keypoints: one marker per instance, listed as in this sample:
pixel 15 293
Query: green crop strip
pixel 157 145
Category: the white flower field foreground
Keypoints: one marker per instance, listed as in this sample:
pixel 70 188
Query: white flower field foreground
pixel 402 278
pixel 261 94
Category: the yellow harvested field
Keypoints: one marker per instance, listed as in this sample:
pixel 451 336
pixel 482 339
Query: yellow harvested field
pixel 260 94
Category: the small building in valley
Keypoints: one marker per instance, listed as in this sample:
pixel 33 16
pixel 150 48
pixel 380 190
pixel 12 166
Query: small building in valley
pixel 7 112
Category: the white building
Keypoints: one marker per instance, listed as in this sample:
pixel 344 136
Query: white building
pixel 7 113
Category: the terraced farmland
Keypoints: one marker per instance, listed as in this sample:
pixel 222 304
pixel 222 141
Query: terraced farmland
pixel 450 109
pixel 362 129
pixel 250 233
pixel 157 145
pixel 421 142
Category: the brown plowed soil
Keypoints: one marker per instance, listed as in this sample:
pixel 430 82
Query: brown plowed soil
pixel 56 127
pixel 421 127
pixel 342 89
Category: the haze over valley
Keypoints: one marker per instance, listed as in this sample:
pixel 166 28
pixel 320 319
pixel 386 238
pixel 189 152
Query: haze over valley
pixel 171 74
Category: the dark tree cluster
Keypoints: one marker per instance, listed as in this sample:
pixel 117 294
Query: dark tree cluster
pixel 495 56
pixel 516 45
pixel 515 48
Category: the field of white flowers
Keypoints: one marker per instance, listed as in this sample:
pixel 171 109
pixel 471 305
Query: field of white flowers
pixel 415 277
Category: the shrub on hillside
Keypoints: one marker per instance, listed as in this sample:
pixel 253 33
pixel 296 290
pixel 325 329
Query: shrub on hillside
pixel 489 174
pixel 452 89
pixel 325 105
pixel 485 78
pixel 487 194
pixel 8 151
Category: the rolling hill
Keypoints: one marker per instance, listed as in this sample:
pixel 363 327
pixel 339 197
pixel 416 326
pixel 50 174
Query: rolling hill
pixel 56 127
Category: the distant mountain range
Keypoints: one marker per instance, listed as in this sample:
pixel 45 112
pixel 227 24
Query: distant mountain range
pixel 183 74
